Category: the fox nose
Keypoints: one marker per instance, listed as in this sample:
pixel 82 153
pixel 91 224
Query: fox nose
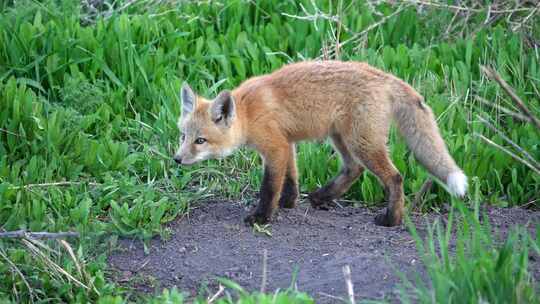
pixel 177 159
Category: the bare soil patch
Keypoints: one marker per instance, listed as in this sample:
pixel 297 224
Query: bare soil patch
pixel 315 244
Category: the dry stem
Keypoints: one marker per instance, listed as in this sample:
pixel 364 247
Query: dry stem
pixel 264 270
pixel 513 155
pixel 16 269
pixel 491 73
pixel 37 253
pixel 531 159
pixel 217 294
pixel 53 184
pixel 349 283
pixel 504 110
pixel 37 235
pixel 425 188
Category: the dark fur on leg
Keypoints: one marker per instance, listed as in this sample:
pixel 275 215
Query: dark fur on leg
pixel 263 212
pixel 289 193
pixel 393 214
pixel 325 196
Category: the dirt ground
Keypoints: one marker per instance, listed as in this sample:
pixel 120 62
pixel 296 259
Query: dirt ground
pixel 212 241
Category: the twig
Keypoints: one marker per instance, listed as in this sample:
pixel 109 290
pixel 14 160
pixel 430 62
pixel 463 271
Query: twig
pixel 43 246
pixel 491 73
pixel 318 14
pixel 515 115
pixel 333 50
pixel 425 188
pixel 217 294
pixel 264 270
pixel 533 12
pixel 508 152
pixel 331 296
pixel 450 24
pixel 489 20
pixel 109 13
pixel 533 86
pixel 142 266
pixel 37 253
pixel 349 283
pixel 508 140
pixel 37 235
pixel 9 132
pixel 528 203
pixel 338 34
pixel 80 269
pixel 16 269
pixel 72 255
pixel 374 25
pixel 470 9
pixel 67 183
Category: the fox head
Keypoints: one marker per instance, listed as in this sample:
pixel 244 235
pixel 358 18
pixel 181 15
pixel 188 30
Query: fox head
pixel 208 129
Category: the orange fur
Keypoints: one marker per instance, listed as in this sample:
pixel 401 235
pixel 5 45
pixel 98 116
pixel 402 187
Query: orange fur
pixel 350 102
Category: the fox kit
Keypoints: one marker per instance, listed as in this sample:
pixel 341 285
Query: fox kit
pixel 352 103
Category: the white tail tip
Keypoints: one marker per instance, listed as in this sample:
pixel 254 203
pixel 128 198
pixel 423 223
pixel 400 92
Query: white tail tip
pixel 457 183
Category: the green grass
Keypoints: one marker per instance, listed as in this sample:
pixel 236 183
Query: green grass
pixel 474 266
pixel 93 104
pixel 174 296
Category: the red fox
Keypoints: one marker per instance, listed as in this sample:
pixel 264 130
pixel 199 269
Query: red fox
pixel 350 102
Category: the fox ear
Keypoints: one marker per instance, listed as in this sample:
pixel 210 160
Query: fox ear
pixel 223 110
pixel 189 100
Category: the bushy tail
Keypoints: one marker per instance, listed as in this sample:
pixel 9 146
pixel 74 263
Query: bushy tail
pixel 417 124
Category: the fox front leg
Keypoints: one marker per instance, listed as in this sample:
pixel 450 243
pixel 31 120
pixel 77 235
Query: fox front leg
pixel 274 176
pixel 290 192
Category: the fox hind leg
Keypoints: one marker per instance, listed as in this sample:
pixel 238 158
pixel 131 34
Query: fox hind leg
pixel 378 162
pixel 350 171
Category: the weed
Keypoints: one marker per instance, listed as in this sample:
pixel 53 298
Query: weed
pixel 262 229
pixel 472 265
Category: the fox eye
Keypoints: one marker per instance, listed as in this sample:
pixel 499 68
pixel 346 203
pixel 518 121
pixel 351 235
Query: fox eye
pixel 182 137
pixel 200 141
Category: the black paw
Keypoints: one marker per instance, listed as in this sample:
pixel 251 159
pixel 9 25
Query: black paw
pixel 288 204
pixel 257 218
pixel 387 219
pixel 320 203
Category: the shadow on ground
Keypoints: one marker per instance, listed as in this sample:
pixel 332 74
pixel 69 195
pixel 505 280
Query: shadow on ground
pixel 213 242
